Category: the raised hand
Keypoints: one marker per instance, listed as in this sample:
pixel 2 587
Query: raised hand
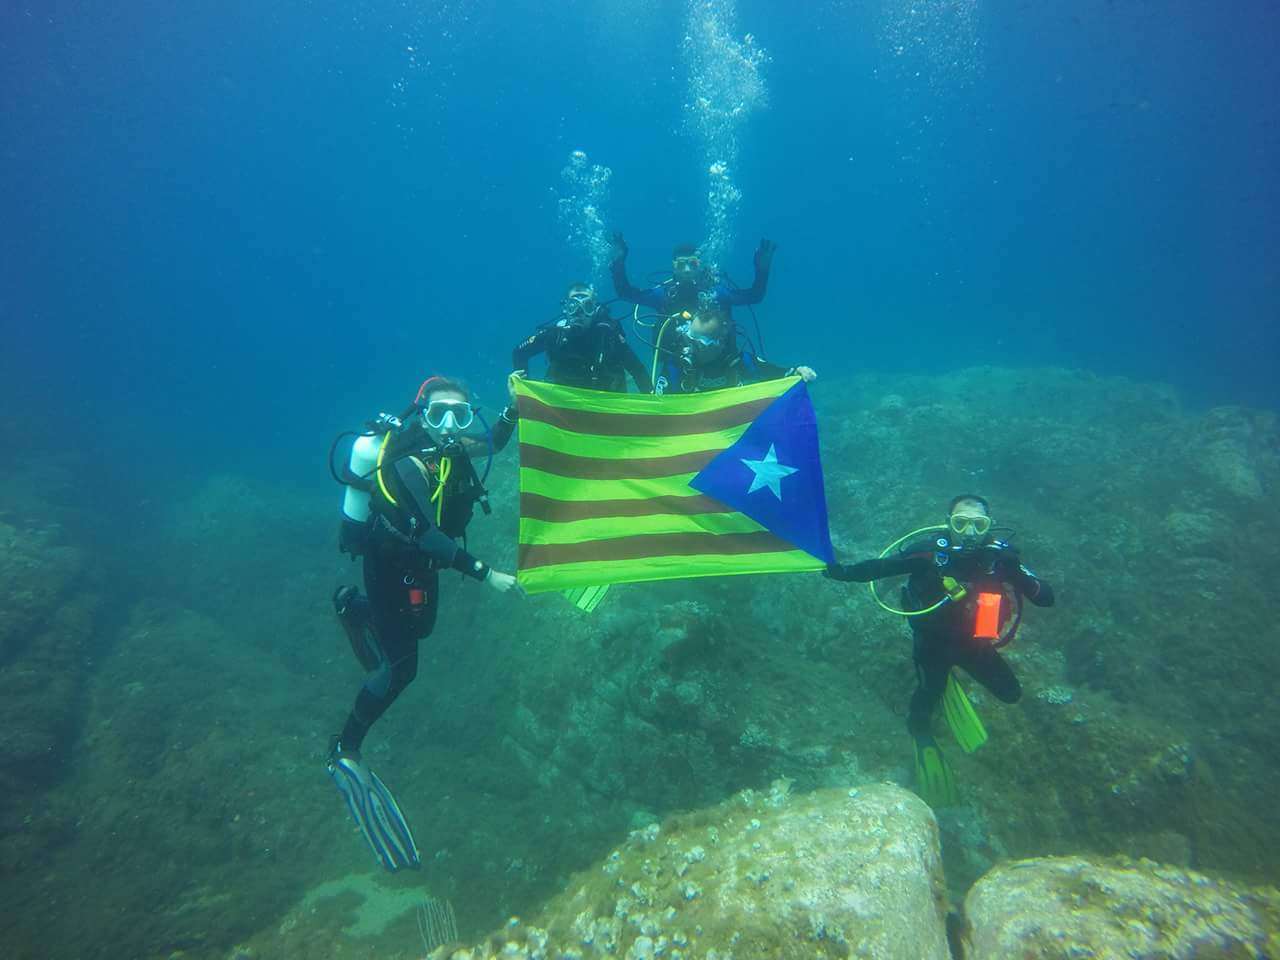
pixel 764 255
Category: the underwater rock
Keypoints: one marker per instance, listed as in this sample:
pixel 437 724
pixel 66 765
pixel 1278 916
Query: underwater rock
pixel 37 567
pixel 1151 784
pixel 1075 907
pixel 1200 534
pixel 1234 447
pixel 46 632
pixel 833 873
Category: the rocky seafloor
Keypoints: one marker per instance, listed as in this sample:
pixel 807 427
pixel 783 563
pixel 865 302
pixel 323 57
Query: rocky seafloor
pixel 170 687
pixel 858 873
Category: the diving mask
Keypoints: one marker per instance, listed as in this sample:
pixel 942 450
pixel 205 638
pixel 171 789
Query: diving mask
pixel 580 305
pixel 969 525
pixel 448 416
pixel 686 267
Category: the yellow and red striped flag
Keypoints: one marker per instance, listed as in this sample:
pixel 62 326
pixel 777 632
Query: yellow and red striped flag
pixel 625 487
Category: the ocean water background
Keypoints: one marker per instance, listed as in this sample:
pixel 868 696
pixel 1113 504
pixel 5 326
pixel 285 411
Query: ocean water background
pixel 232 229
pixel 268 220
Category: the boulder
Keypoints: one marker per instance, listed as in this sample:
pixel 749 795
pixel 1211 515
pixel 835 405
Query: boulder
pixel 834 873
pixel 1075 907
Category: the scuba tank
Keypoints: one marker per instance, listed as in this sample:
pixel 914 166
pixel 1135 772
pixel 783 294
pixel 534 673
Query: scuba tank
pixel 386 441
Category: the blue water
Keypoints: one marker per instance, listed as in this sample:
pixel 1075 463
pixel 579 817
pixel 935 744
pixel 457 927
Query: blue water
pixel 234 216
pixel 231 228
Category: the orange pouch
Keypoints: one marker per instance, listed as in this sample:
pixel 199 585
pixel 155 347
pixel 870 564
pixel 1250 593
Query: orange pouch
pixel 986 625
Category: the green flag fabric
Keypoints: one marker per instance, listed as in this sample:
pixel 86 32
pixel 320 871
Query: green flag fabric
pixel 586 599
pixel 605 494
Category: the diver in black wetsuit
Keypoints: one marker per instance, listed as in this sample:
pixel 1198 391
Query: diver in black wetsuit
pixel 411 489
pixel 585 347
pixel 975 584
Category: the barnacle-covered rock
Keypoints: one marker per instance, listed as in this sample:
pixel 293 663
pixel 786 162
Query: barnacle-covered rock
pixel 766 874
pixel 1076 907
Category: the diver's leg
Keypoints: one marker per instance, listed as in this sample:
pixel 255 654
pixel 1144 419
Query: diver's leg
pixel 398 624
pixel 934 780
pixel 352 610
pixel 402 609
pixel 933 663
pixel 993 672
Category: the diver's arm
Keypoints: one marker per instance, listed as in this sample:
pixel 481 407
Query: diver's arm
pixel 754 293
pixel 433 543
pixel 505 427
pixel 634 366
pixel 500 434
pixel 878 569
pixel 761 369
pixel 758 369
pixel 1015 572
pixel 735 297
pixel 652 298
pixel 529 348
pixel 1032 587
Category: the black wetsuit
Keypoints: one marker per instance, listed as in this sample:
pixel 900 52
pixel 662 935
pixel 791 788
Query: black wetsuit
pixel 945 637
pixel 593 355
pixel 404 551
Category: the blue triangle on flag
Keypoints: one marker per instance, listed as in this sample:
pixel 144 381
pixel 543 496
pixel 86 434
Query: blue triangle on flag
pixel 773 474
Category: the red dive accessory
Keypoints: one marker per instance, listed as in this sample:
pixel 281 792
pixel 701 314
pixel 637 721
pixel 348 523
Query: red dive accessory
pixel 986 622
pixel 422 390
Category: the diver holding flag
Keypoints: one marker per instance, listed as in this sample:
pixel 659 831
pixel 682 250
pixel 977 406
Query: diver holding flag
pixel 963 600
pixel 411 488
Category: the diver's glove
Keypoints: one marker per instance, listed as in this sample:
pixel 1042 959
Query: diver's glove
pixel 374 810
pixel 764 255
pixel 845 572
pixel 503 582
pixel 850 572
pixel 620 248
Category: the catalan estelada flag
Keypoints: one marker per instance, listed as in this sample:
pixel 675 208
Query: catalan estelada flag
pixel 622 487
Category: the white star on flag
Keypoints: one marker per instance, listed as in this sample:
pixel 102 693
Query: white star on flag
pixel 768 473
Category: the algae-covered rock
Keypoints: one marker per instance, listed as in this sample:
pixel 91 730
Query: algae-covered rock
pixel 1233 450
pixel 1075 907
pixel 46 627
pixel 833 873
pixel 37 567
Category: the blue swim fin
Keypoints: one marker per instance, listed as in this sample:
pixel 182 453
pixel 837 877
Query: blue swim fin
pixel 375 812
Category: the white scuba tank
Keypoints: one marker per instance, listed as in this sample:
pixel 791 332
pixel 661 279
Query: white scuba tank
pixel 364 457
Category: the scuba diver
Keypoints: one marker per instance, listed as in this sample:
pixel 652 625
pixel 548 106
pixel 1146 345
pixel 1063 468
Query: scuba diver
pixel 692 285
pixel 585 348
pixel 963 600
pixel 701 352
pixel 411 489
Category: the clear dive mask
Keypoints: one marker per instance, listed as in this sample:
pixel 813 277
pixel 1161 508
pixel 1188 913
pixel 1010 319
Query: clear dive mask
pixel 580 306
pixel 448 416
